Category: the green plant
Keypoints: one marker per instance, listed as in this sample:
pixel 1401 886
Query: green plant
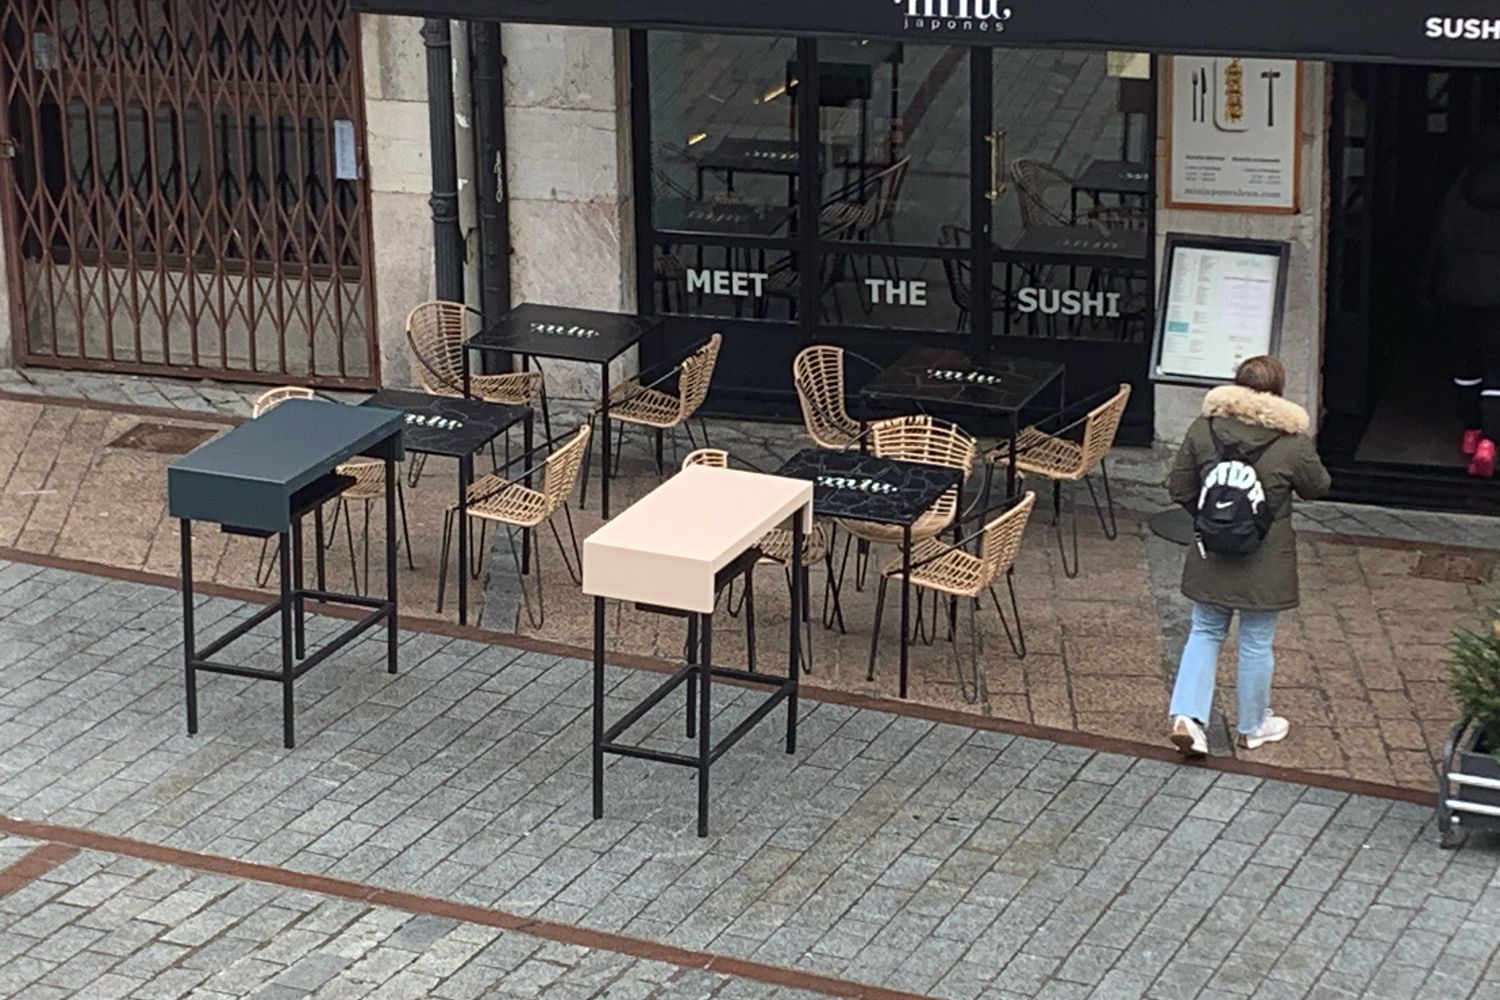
pixel 1474 677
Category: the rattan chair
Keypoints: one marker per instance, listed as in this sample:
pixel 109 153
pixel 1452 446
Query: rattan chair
pixel 923 439
pixel 776 549
pixel 511 504
pixel 818 373
pixel 436 332
pixel 951 570
pixel 1070 455
pixel 658 407
pixel 369 486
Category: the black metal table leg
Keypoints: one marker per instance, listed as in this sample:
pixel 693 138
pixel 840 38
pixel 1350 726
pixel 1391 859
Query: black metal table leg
pixel 465 365
pixel 692 679
pixel 189 637
pixel 598 708
pixel 390 564
pixel 705 743
pixel 905 600
pixel 320 564
pixel 299 603
pixel 528 433
pixel 605 448
pixel 465 477
pixel 794 659
pixel 288 705
pixel 1010 472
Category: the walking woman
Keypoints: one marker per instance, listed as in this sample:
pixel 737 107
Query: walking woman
pixel 1249 452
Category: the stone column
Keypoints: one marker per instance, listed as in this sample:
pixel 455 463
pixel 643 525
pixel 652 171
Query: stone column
pixel 400 180
pixel 1307 232
pixel 568 165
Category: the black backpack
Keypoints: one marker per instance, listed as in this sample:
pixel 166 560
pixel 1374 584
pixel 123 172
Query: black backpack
pixel 1233 513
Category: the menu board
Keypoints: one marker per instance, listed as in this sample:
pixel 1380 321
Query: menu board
pixel 1221 303
pixel 1234 134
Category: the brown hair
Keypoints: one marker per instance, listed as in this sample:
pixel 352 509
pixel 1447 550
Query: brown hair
pixel 1263 374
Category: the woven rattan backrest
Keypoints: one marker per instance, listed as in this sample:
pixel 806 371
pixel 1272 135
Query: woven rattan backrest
pixel 272 398
pixel 888 184
pixel 925 439
pixel 1001 542
pixel 1102 424
pixel 697 375
pixel 714 458
pixel 818 374
pixel 1033 180
pixel 436 333
pixel 560 473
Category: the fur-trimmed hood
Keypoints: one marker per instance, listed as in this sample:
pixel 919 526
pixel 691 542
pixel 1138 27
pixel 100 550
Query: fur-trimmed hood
pixel 1258 409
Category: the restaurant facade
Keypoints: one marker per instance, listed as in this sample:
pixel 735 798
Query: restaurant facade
pixel 998 177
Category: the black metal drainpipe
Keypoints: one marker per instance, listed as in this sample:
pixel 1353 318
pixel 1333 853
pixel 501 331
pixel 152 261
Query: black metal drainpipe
pixel 487 78
pixel 448 240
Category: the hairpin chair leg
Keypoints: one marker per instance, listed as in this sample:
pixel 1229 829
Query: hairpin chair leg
pixel 875 632
pixel 414 471
pixel 349 537
pixel 1111 528
pixel 366 563
pixel 1018 639
pixel 405 526
pixel 661 447
pixel 333 526
pixel 537 618
pixel 971 688
pixel 575 566
pixel 476 557
pixel 749 606
pixel 689 657
pixel 263 567
pixel 805 659
pixel 588 461
pixel 833 610
pixel 1071 572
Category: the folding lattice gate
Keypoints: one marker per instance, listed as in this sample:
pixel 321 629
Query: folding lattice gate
pixel 182 188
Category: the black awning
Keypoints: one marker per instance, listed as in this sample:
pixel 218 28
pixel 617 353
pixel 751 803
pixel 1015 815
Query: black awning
pixel 1411 31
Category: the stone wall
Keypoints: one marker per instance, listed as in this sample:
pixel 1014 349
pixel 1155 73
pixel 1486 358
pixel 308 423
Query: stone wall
pixel 1302 328
pixel 567 129
pixel 395 65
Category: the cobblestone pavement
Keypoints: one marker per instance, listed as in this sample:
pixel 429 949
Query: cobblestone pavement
pixel 104 926
pixel 933 858
pixel 1361 665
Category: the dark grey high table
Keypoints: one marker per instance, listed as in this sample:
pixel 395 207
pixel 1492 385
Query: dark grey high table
pixel 260 480
pixel 862 487
pixel 948 379
pixel 564 334
pixel 453 428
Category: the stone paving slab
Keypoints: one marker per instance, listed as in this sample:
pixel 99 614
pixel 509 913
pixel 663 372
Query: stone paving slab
pixel 103 926
pixel 927 857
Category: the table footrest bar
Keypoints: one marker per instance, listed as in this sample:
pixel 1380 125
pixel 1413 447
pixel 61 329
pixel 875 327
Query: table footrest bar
pixel 642 753
pixel 239 631
pixel 750 676
pixel 343 639
pixel 353 600
pixel 234 670
pixel 652 700
pixel 750 722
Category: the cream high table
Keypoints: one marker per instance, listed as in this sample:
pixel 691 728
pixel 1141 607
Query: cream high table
pixel 671 553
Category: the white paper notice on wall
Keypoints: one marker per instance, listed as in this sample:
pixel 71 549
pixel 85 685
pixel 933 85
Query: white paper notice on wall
pixel 1234 134
pixel 1129 65
pixel 1222 303
pixel 345 160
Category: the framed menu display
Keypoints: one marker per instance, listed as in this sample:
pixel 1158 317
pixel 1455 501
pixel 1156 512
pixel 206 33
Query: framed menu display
pixel 1221 302
pixel 1234 144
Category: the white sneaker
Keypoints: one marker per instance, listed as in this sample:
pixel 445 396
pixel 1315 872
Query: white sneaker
pixel 1189 738
pixel 1273 730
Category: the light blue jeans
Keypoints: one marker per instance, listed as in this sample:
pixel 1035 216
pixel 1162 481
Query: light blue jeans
pixel 1193 694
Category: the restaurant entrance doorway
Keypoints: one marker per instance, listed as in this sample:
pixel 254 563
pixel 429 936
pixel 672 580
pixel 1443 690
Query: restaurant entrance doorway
pixel 1393 422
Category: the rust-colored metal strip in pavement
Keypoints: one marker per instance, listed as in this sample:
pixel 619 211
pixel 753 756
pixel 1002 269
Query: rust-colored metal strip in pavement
pixel 62 842
pixel 33 865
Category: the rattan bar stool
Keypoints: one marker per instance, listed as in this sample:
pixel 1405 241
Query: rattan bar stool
pixel 1069 455
pixel 951 570
pixel 651 406
pixel 513 505
pixel 776 549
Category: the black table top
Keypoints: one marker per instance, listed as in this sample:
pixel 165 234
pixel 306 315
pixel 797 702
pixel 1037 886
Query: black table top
pixel 1115 177
pixel 765 156
pixel 722 218
pixel 447 425
pixel 246 478
pixel 865 488
pixel 543 331
pixel 932 374
pixel 1082 241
